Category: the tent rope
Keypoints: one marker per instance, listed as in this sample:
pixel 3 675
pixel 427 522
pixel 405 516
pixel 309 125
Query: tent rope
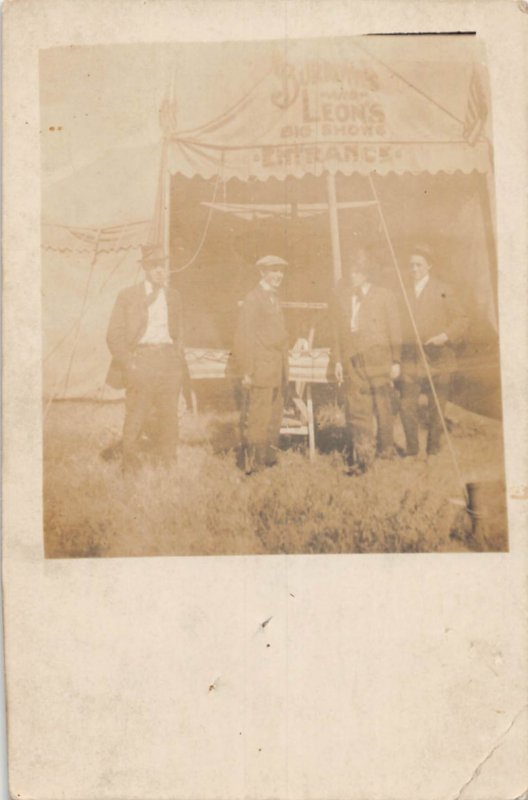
pixel 204 234
pixel 88 306
pixel 407 82
pixel 420 345
pixel 52 397
pixel 79 321
pixel 219 120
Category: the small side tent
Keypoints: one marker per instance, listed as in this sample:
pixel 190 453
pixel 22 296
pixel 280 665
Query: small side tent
pixel 316 146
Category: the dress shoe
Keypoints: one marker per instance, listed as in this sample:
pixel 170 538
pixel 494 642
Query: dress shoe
pixel 352 470
pixel 387 454
pixel 409 453
pixel 433 450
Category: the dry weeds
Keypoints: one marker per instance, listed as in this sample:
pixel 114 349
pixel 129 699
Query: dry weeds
pixel 204 505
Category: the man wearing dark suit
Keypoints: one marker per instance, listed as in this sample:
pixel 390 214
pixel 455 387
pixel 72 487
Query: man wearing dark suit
pixel 441 323
pixel 145 338
pixel 366 352
pixel 261 355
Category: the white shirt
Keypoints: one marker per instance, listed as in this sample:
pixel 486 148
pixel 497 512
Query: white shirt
pixel 272 294
pixel 420 285
pixel 356 305
pixel 157 331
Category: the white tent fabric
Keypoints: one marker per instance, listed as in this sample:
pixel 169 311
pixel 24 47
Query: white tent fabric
pixel 337 106
pixel 117 189
pixel 77 298
pixel 344 105
pixel 366 106
pixel 70 239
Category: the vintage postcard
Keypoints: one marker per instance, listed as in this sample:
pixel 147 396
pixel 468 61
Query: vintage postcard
pixel 323 233
pixel 265 368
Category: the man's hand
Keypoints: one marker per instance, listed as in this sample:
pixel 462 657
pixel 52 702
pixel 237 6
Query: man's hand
pixel 437 340
pixel 395 371
pixel 130 373
pixel 338 372
pixel 246 381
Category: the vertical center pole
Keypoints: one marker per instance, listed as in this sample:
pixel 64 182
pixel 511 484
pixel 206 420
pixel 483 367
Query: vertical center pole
pixel 166 203
pixel 334 226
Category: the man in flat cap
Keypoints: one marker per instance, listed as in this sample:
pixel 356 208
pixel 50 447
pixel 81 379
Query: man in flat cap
pixel 261 355
pixel 145 338
pixel 366 353
pixel 441 324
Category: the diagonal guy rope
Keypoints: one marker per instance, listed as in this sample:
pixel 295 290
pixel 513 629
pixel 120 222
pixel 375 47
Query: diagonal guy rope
pixel 419 342
pixel 205 231
pixel 87 308
pixel 407 82
pixel 81 314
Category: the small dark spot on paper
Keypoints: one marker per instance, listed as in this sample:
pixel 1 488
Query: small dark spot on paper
pixel 266 621
pixel 268 645
pixel 214 684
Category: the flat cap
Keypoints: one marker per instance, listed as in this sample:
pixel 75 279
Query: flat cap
pixel 269 262
pixel 422 249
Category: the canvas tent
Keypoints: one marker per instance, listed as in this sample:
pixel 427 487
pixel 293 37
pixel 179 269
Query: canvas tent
pixel 287 144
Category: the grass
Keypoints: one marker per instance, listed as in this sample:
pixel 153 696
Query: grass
pixel 204 505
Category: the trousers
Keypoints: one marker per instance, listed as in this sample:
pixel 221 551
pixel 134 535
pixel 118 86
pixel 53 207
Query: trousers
pixel 410 393
pixel 365 399
pixel 153 382
pixel 260 422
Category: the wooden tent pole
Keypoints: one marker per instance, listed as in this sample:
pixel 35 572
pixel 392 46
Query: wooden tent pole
pixel 486 195
pixel 166 210
pixel 334 226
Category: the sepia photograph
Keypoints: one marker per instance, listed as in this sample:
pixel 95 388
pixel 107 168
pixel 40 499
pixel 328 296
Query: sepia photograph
pixel 265 388
pixel 269 298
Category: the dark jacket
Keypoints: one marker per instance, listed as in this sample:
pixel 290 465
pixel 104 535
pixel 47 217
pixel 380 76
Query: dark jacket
pixel 377 341
pixel 261 340
pixel 127 325
pixel 436 311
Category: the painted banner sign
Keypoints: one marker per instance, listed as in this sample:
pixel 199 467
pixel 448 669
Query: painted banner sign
pixel 343 110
